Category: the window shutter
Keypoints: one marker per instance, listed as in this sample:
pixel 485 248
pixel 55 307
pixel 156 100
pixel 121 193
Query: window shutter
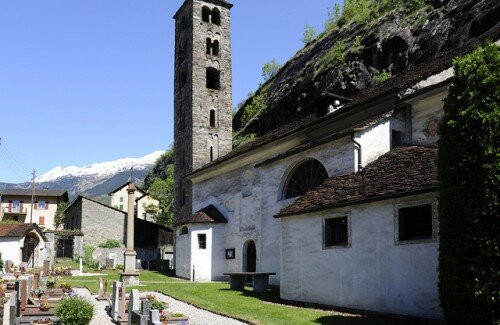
pixel 42 220
pixel 21 206
pixel 46 205
pixel 35 206
pixel 10 206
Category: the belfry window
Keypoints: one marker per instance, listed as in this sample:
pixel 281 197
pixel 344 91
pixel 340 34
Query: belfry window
pixel 184 230
pixel 306 176
pixel 212 47
pixel 212 118
pixel 211 154
pixel 213 78
pixel 216 17
pixel 205 14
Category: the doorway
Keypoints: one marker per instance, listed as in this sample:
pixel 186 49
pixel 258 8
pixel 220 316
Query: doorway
pixel 251 257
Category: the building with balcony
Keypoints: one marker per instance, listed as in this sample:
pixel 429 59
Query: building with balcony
pixel 15 205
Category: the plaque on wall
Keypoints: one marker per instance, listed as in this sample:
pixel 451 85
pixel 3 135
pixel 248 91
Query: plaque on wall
pixel 230 254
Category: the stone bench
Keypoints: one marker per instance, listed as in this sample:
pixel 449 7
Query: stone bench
pixel 260 280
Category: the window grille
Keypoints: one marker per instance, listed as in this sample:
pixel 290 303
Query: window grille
pixel 202 241
pixel 305 177
pixel 336 232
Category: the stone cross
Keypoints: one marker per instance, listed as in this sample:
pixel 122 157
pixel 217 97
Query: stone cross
pixel 115 303
pixel 24 294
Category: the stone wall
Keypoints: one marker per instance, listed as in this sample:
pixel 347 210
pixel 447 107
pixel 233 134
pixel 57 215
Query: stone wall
pixel 100 223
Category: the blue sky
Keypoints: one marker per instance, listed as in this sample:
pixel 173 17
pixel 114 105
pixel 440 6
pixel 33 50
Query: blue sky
pixel 85 81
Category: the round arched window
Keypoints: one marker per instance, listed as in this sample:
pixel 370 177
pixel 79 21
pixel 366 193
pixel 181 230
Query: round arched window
pixel 184 230
pixel 306 176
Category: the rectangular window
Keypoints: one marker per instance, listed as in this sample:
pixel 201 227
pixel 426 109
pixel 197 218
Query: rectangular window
pixel 336 232
pixel 415 222
pixel 41 205
pixel 41 221
pixel 202 241
pixel 121 198
pixel 121 206
pixel 396 139
pixel 144 215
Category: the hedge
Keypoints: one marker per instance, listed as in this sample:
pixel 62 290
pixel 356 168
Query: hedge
pixel 469 185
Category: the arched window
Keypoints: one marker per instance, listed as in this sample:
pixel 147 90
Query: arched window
pixel 205 14
pixel 306 176
pixel 216 16
pixel 211 153
pixel 209 46
pixel 212 118
pixel 213 78
pixel 184 230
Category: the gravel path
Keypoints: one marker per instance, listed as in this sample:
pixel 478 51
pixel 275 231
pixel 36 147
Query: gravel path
pixel 196 316
pixel 101 317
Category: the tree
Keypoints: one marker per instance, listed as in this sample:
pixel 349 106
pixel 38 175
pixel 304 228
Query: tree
pixel 162 190
pixel 270 69
pixel 469 183
pixel 59 216
pixel 160 168
pixel 310 34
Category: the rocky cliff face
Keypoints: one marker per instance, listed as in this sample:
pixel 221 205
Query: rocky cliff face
pixel 356 57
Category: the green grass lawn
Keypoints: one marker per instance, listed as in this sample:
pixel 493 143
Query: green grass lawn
pixel 217 297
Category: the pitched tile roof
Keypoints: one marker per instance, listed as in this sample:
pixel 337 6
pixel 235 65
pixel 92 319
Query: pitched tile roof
pixel 209 214
pixel 402 171
pixel 18 230
pixel 27 192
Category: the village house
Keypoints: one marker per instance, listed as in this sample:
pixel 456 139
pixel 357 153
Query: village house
pixel 98 223
pixel 340 205
pixel 16 206
pixel 144 204
pixel 119 197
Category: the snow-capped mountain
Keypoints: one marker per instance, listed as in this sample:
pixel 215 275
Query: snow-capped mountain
pixel 97 179
pixel 101 169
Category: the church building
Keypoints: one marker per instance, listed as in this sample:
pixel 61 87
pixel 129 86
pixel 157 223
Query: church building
pixel 342 207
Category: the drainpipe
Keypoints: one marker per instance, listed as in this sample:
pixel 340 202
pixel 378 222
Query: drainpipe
pixel 357 146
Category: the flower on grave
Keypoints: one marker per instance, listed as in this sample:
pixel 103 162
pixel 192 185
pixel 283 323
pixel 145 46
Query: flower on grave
pixel 39 292
pixel 176 314
pixel 164 315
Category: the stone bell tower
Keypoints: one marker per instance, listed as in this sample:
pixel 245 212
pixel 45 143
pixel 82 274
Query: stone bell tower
pixel 202 91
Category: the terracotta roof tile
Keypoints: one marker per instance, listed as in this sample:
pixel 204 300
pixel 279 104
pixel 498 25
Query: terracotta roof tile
pixel 16 230
pixel 402 171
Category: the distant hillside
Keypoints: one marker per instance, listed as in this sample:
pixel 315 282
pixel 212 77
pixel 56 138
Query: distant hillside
pixel 95 180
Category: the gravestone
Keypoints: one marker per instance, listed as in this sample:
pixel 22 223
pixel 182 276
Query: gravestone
pixel 36 279
pixel 46 268
pixel 154 317
pixel 110 264
pixel 134 306
pixel 123 315
pixel 115 302
pixel 24 294
pixel 103 287
pixel 8 266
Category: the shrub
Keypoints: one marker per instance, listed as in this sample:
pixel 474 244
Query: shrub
pixel 255 107
pixel 310 34
pixel 158 305
pixel 335 56
pixel 469 179
pixel 1 262
pixel 110 243
pixel 381 76
pixel 88 260
pixel 120 267
pixel 270 69
pixel 75 311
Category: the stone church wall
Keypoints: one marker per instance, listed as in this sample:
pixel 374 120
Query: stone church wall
pixel 373 273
